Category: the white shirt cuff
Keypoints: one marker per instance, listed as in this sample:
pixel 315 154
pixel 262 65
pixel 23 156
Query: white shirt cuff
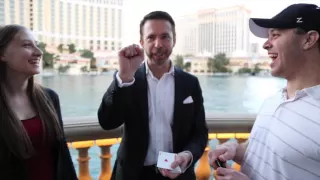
pixel 120 84
pixel 191 160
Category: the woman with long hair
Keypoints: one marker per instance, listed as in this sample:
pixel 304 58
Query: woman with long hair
pixel 32 142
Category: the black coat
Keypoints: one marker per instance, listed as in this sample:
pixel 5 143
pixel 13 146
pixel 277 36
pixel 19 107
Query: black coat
pixel 15 169
pixel 129 106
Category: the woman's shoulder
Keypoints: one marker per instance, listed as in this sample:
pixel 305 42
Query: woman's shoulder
pixel 50 92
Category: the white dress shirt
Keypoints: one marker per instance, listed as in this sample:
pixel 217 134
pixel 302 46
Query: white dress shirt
pixel 161 107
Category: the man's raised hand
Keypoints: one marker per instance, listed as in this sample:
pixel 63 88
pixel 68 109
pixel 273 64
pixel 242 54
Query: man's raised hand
pixel 130 59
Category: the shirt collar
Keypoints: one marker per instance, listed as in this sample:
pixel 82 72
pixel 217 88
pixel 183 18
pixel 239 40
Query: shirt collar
pixel 171 71
pixel 313 92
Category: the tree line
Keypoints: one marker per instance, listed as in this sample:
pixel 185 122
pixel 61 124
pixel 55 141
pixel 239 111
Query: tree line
pixel 216 64
pixel 49 58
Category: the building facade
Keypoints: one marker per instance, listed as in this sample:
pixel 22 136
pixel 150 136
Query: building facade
pixel 187 34
pixel 213 31
pixel 89 24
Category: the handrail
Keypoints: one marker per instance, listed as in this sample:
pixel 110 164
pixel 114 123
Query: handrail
pixel 82 133
pixel 88 127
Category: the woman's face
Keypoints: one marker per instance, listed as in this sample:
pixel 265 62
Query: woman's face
pixel 22 54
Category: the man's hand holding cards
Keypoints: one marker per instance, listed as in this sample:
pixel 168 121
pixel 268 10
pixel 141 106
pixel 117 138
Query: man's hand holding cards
pixel 165 161
pixel 172 165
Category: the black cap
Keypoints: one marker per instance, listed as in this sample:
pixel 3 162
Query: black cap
pixel 304 16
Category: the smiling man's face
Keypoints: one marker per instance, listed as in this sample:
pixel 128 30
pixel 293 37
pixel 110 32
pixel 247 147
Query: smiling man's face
pixel 285 49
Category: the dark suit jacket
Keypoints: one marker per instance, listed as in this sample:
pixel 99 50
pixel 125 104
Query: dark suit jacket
pixel 129 106
pixel 12 168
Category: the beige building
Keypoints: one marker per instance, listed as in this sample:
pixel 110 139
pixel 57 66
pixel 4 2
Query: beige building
pixel 107 61
pixel 237 63
pixel 199 65
pixel 214 31
pixel 15 12
pixel 75 63
pixel 187 34
pixel 90 24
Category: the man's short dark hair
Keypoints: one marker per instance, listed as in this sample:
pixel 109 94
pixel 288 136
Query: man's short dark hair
pixel 157 15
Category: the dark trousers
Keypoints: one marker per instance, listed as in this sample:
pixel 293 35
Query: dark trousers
pixel 151 173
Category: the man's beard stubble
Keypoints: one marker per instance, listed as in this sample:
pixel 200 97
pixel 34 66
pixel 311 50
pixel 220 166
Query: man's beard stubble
pixel 160 62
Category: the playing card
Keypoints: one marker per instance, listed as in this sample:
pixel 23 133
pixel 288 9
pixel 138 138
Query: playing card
pixel 165 160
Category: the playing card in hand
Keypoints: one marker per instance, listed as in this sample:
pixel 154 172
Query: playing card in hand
pixel 165 160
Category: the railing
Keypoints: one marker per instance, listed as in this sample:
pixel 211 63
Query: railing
pixel 85 132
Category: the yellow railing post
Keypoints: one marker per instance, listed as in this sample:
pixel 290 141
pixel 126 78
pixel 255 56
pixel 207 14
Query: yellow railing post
pixel 105 144
pixel 224 137
pixel 203 170
pixel 83 158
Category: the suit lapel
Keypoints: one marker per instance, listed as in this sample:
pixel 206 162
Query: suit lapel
pixel 178 95
pixel 142 94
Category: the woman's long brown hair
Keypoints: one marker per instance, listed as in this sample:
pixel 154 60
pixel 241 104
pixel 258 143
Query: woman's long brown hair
pixel 12 132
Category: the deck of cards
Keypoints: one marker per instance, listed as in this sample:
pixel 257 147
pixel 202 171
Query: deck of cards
pixel 165 160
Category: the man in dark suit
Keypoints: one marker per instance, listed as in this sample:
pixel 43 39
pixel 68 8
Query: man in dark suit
pixel 160 105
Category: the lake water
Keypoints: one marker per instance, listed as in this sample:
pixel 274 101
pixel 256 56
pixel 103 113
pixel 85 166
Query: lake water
pixel 81 96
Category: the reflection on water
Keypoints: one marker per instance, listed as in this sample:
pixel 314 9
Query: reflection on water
pixel 81 95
